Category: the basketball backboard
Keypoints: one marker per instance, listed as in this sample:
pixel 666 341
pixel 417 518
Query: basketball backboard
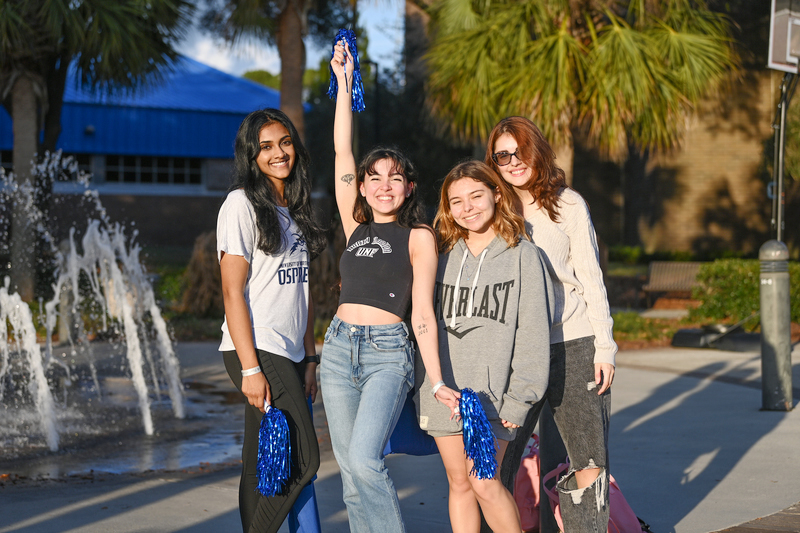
pixel 784 35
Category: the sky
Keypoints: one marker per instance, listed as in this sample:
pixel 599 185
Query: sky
pixel 383 23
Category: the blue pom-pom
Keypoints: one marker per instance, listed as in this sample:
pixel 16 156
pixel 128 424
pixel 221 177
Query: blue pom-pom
pixel 358 87
pixel 479 440
pixel 274 452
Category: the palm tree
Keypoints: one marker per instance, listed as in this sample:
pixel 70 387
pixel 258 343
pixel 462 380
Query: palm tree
pixel 113 45
pixel 283 23
pixel 625 73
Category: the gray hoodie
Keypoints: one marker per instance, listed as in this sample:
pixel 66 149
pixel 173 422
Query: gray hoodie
pixel 494 315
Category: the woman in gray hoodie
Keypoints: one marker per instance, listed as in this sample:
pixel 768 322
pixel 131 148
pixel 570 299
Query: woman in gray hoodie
pixel 493 302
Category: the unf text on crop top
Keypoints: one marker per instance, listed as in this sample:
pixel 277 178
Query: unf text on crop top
pixel 376 268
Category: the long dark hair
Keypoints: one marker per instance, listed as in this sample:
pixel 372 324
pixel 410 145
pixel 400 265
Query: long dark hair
pixel 411 213
pixel 547 179
pixel 259 189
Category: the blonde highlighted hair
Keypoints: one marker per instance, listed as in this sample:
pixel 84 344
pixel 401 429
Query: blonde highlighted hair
pixel 507 222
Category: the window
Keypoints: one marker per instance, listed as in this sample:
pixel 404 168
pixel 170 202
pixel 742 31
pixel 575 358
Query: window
pixel 6 160
pixel 84 162
pixel 146 169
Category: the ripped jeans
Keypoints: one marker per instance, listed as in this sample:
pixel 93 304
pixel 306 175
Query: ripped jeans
pixel 582 418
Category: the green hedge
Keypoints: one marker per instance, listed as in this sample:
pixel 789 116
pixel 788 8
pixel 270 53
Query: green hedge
pixel 635 255
pixel 729 291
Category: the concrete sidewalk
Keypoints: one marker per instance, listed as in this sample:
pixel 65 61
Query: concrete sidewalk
pixel 689 448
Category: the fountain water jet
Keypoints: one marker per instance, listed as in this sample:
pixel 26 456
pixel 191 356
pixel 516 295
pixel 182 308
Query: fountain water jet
pixel 117 282
pixel 15 312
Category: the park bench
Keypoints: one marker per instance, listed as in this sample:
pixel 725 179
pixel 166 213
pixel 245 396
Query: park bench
pixel 677 278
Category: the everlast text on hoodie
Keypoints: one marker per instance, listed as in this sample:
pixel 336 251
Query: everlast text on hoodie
pixel 494 315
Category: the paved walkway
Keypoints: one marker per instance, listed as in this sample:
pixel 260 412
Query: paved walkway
pixel 690 450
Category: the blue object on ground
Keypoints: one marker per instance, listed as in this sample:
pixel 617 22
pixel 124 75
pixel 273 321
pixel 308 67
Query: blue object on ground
pixel 407 436
pixel 304 516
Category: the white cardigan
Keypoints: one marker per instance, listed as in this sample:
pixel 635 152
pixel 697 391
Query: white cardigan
pixel 569 248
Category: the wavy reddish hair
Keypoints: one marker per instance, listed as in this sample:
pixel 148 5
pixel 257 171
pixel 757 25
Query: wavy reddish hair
pixel 547 178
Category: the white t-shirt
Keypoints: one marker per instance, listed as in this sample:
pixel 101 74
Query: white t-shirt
pixel 277 285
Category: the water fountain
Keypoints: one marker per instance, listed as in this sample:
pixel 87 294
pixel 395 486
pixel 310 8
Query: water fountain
pixel 46 391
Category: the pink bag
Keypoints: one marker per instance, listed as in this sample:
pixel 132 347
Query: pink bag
pixel 622 519
pixel 526 488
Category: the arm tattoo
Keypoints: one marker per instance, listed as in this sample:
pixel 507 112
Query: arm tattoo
pixel 348 178
pixel 422 329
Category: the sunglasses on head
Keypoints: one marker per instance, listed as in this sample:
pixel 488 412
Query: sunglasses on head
pixel 504 158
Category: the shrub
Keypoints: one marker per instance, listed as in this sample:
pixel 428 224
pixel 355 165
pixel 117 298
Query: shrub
pixel 169 286
pixel 729 290
pixel 203 294
pixel 628 255
pixel 630 326
pixel 633 255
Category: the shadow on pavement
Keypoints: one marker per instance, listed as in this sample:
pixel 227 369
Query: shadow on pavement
pixel 674 446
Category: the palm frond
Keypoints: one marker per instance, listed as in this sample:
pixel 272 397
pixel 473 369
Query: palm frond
pixel 628 71
pixel 461 86
pixel 545 86
pixel 125 45
pixel 454 16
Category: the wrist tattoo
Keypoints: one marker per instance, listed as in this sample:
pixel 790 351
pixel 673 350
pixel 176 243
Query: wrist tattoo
pixel 348 178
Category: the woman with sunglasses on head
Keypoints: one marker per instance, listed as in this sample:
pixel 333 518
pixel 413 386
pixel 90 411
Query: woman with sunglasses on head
pixel 493 303
pixel 367 359
pixel 266 237
pixel 581 340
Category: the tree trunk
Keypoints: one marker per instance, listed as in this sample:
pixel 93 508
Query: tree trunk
pixel 23 234
pixel 637 195
pixel 292 51
pixel 416 41
pixel 565 156
pixel 56 81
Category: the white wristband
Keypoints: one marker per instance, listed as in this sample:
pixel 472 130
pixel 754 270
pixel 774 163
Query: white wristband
pixel 251 371
pixel 436 387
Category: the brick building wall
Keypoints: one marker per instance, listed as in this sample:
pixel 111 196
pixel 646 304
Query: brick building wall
pixel 712 191
pixel 708 195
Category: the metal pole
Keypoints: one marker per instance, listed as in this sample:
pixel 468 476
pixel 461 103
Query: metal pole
pixel 377 105
pixel 356 143
pixel 781 156
pixel 776 343
pixel 776 128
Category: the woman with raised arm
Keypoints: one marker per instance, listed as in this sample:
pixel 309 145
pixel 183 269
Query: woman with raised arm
pixel 367 360
pixel 493 304
pixel 581 341
pixel 266 237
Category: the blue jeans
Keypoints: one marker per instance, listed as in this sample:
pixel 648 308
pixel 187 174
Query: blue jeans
pixel 365 374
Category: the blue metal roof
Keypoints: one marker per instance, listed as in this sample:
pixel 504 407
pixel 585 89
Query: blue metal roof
pixel 194 111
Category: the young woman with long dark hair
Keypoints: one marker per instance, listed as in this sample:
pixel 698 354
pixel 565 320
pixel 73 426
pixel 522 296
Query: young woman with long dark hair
pixel 581 340
pixel 388 264
pixel 266 237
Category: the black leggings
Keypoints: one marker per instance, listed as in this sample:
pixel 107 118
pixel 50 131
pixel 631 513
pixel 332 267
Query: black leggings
pixel 261 514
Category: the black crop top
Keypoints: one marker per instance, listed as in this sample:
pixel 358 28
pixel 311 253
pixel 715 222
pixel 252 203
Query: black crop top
pixel 376 268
